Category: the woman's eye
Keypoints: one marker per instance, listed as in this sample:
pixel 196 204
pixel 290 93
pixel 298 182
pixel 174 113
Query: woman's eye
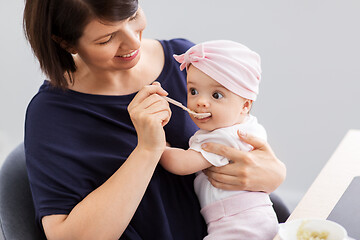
pixel 107 41
pixel 134 16
pixel 193 91
pixel 217 95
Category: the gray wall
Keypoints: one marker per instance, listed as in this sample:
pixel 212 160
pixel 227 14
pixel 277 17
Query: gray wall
pixel 310 58
pixel 20 75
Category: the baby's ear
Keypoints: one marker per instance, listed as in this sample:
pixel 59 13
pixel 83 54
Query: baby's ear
pixel 247 106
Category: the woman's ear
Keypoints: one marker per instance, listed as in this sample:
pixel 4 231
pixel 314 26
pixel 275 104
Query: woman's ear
pixel 247 106
pixel 64 44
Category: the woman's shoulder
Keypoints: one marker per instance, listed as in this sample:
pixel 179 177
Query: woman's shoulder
pixel 42 97
pixel 53 105
pixel 176 45
pixel 165 49
pixel 47 96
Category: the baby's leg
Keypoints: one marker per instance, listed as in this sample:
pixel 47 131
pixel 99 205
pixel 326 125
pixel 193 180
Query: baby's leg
pixel 245 216
pixel 258 223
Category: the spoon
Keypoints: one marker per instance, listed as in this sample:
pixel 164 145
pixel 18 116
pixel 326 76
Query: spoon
pixel 195 114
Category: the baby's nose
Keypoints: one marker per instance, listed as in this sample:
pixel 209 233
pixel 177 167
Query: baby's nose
pixel 202 102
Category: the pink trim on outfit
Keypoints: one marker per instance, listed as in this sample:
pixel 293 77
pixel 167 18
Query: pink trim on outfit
pixel 235 204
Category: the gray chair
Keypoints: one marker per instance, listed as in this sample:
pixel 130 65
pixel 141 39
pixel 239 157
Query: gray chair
pixel 17 217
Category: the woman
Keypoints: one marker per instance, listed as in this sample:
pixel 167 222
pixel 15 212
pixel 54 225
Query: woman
pixel 96 129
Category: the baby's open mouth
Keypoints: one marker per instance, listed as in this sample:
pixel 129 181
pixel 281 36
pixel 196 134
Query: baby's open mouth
pixel 201 115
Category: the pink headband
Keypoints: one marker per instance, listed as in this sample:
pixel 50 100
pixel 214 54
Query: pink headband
pixel 231 64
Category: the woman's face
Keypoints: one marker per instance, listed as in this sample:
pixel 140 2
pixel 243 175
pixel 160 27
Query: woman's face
pixel 112 45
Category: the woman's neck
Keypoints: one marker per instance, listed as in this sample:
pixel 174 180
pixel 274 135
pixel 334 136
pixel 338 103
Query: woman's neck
pixel 105 82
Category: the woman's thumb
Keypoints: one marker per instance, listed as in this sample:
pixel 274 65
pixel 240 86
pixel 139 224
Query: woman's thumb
pixel 256 142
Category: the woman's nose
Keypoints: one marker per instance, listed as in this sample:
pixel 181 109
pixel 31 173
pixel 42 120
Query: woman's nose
pixel 131 39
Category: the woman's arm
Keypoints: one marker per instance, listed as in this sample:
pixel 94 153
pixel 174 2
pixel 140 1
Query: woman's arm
pixel 106 212
pixel 183 162
pixel 257 170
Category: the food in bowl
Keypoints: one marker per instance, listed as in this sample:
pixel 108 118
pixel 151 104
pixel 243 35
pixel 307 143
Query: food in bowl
pixel 305 234
pixel 312 229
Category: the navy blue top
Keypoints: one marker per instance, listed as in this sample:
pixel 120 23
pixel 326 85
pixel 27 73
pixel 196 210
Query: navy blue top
pixel 74 142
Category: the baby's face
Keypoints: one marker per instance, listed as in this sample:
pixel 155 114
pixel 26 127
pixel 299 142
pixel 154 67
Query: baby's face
pixel 207 95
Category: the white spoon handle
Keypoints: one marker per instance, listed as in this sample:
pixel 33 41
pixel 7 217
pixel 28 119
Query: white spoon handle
pixel 197 115
pixel 176 103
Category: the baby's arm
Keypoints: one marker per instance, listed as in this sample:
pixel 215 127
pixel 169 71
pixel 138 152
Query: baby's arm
pixel 183 162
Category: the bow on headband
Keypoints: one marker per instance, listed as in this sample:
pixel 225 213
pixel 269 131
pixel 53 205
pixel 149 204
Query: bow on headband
pixel 194 54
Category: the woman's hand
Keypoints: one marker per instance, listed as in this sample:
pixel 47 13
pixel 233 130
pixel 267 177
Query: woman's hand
pixel 257 170
pixel 149 113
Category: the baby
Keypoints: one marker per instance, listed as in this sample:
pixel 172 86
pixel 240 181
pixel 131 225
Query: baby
pixel 223 79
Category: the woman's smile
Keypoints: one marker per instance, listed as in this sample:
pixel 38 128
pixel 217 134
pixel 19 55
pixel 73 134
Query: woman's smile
pixel 129 56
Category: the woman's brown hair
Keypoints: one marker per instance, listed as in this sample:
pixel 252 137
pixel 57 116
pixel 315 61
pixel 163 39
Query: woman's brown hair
pixel 48 24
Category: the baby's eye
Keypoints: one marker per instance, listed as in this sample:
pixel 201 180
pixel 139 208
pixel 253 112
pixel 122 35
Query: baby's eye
pixel 217 95
pixel 193 91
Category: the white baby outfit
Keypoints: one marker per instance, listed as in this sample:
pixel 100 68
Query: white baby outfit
pixel 233 214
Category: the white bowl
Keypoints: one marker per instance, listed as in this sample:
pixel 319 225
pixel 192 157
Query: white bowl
pixel 289 230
